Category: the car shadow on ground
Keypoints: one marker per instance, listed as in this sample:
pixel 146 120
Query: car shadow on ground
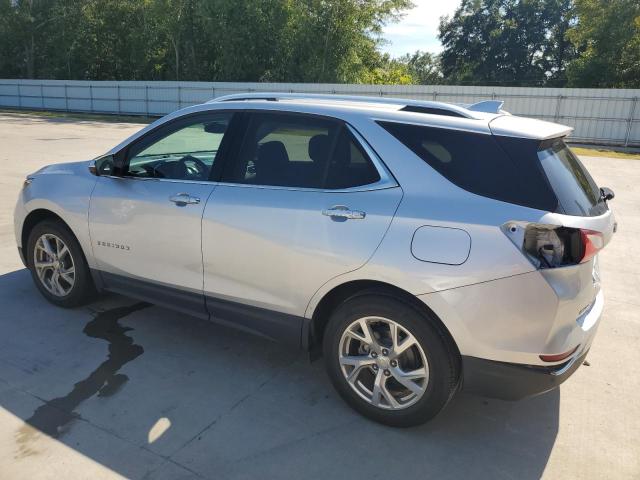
pixel 145 391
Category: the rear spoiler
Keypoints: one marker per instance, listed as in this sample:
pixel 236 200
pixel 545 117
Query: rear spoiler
pixel 522 127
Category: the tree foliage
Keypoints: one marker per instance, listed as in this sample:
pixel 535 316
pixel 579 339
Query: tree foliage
pixel 586 43
pixel 424 67
pixel 224 40
pixel 608 37
pixel 507 42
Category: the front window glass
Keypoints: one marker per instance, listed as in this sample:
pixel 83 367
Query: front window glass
pixel 187 153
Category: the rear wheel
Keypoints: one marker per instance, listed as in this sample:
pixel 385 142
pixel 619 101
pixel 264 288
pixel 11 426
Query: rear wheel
pixel 58 265
pixel 389 361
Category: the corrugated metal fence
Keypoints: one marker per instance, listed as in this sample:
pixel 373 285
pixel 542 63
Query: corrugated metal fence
pixel 603 116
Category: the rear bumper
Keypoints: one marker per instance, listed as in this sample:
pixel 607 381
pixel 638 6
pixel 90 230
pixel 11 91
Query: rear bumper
pixel 512 381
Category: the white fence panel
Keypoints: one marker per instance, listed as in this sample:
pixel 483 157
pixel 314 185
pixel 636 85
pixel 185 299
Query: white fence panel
pixel 605 116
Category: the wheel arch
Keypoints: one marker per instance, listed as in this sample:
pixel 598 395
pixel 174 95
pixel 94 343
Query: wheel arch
pixel 39 215
pixel 35 217
pixel 340 293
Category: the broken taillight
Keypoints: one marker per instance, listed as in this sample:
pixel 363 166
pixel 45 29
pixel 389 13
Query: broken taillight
pixel 552 246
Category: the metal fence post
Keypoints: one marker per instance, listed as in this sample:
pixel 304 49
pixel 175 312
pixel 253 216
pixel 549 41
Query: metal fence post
pixel 119 106
pixel 66 98
pixel 146 99
pixel 632 113
pixel 41 96
pixel 556 116
pixel 19 96
pixel 213 93
pixel 90 97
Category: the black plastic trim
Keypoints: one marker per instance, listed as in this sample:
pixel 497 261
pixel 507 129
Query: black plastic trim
pixel 513 381
pixel 278 326
pixel 181 300
pixel 281 327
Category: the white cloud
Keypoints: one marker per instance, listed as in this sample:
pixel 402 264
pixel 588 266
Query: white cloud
pixel 418 30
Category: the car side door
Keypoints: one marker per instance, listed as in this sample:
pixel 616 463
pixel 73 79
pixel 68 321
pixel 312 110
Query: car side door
pixel 146 211
pixel 303 200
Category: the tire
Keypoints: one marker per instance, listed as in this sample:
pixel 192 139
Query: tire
pixel 69 295
pixel 431 345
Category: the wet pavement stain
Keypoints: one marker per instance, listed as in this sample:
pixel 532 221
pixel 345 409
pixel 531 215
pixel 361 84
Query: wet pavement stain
pixel 52 417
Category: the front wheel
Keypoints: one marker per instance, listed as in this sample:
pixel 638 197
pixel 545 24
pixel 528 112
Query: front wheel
pixel 58 266
pixel 389 361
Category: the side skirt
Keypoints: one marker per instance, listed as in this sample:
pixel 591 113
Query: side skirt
pixel 277 326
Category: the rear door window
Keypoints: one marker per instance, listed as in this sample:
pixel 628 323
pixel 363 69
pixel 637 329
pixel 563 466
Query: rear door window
pixel 300 151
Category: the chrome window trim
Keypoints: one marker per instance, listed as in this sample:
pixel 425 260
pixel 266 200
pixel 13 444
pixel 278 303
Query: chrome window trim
pixel 364 188
pixel 167 180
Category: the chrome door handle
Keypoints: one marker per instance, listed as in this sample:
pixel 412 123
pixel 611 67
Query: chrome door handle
pixel 340 211
pixel 182 199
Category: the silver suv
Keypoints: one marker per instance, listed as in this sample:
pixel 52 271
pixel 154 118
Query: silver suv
pixel 420 247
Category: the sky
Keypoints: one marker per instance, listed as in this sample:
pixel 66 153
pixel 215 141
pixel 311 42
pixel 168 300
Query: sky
pixel 418 30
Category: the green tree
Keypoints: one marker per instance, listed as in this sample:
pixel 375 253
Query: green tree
pixel 424 67
pixel 507 42
pixel 388 71
pixel 224 40
pixel 608 37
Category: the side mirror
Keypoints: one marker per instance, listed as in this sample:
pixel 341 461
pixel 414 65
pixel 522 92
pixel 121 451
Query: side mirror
pixel 102 166
pixel 607 193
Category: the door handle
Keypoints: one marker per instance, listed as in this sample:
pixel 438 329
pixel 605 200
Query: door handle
pixel 182 199
pixel 340 211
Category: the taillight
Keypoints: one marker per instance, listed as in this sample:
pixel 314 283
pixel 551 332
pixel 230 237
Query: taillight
pixel 551 246
pixel 593 243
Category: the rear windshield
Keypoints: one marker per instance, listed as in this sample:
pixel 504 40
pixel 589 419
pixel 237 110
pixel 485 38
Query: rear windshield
pixel 577 193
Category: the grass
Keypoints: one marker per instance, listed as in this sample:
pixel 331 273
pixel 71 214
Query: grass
pixel 604 152
pixel 87 117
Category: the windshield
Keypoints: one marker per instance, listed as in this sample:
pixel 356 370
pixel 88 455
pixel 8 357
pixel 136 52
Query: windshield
pixel 577 193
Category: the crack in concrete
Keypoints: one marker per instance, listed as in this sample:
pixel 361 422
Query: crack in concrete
pixel 231 409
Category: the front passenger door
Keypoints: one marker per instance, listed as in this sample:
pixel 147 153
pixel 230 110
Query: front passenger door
pixel 145 224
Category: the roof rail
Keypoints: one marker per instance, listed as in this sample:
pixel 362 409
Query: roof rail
pixel 489 106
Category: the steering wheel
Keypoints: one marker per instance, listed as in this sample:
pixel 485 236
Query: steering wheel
pixel 202 171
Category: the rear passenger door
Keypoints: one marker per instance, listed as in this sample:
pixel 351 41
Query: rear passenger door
pixel 304 200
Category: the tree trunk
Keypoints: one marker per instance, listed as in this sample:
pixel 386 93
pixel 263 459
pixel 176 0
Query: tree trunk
pixel 176 51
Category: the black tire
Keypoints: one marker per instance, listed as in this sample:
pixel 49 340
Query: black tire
pixel 83 290
pixel 442 357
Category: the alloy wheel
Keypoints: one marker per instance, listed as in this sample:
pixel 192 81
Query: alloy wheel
pixel 383 363
pixel 54 265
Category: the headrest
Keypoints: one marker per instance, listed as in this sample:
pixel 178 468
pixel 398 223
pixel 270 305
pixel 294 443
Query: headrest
pixel 319 148
pixel 273 154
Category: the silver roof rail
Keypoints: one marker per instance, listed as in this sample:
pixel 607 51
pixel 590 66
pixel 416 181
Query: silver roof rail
pixel 489 106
